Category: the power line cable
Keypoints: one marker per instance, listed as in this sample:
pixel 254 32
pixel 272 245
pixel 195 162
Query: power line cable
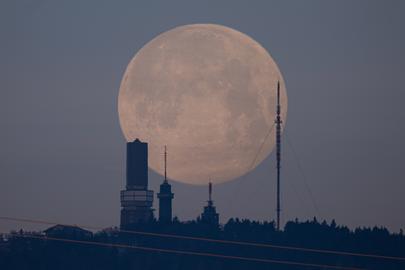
pixel 261 147
pixel 174 236
pixel 298 195
pixel 305 180
pixel 184 252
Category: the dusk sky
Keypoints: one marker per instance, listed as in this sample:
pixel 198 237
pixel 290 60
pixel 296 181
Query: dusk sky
pixel 62 151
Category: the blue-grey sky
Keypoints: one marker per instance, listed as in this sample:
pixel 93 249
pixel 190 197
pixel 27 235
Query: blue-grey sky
pixel 62 152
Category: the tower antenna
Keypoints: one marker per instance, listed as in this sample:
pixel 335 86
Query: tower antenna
pixel 278 144
pixel 210 191
pixel 165 165
pixel 165 197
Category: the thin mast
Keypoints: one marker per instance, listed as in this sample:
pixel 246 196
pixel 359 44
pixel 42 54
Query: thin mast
pixel 165 165
pixel 210 191
pixel 278 143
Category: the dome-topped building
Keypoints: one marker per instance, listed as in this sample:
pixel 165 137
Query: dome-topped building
pixel 210 215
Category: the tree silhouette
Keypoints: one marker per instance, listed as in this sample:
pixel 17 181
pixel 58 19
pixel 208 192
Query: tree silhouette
pixel 17 252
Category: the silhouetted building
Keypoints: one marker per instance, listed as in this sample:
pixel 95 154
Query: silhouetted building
pixel 67 231
pixel 210 215
pixel 165 198
pixel 136 200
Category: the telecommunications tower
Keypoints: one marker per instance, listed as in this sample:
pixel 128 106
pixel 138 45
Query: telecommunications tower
pixel 165 198
pixel 278 145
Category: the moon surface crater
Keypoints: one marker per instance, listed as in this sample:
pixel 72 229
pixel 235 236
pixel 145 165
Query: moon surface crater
pixel 208 92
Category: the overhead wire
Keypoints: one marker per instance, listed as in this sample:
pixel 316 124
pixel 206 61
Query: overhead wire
pixel 242 243
pixel 261 147
pixel 304 177
pixel 185 252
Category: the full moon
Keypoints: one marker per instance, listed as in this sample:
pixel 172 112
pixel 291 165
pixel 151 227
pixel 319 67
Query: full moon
pixel 208 92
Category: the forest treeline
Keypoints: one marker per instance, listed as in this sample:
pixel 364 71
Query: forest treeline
pixel 18 250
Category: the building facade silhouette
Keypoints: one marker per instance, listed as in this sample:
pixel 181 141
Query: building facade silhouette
pixel 210 215
pixel 165 196
pixel 165 202
pixel 136 199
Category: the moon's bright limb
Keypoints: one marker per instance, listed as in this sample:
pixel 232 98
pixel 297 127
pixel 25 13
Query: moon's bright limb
pixel 206 91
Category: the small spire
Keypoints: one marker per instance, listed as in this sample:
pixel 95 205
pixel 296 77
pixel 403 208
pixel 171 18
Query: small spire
pixel 165 165
pixel 210 190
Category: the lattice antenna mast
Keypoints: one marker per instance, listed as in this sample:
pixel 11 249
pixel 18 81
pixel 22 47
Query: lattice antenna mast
pixel 278 144
pixel 165 165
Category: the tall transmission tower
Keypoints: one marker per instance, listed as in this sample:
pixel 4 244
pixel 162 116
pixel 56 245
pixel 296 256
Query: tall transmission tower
pixel 165 198
pixel 278 145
